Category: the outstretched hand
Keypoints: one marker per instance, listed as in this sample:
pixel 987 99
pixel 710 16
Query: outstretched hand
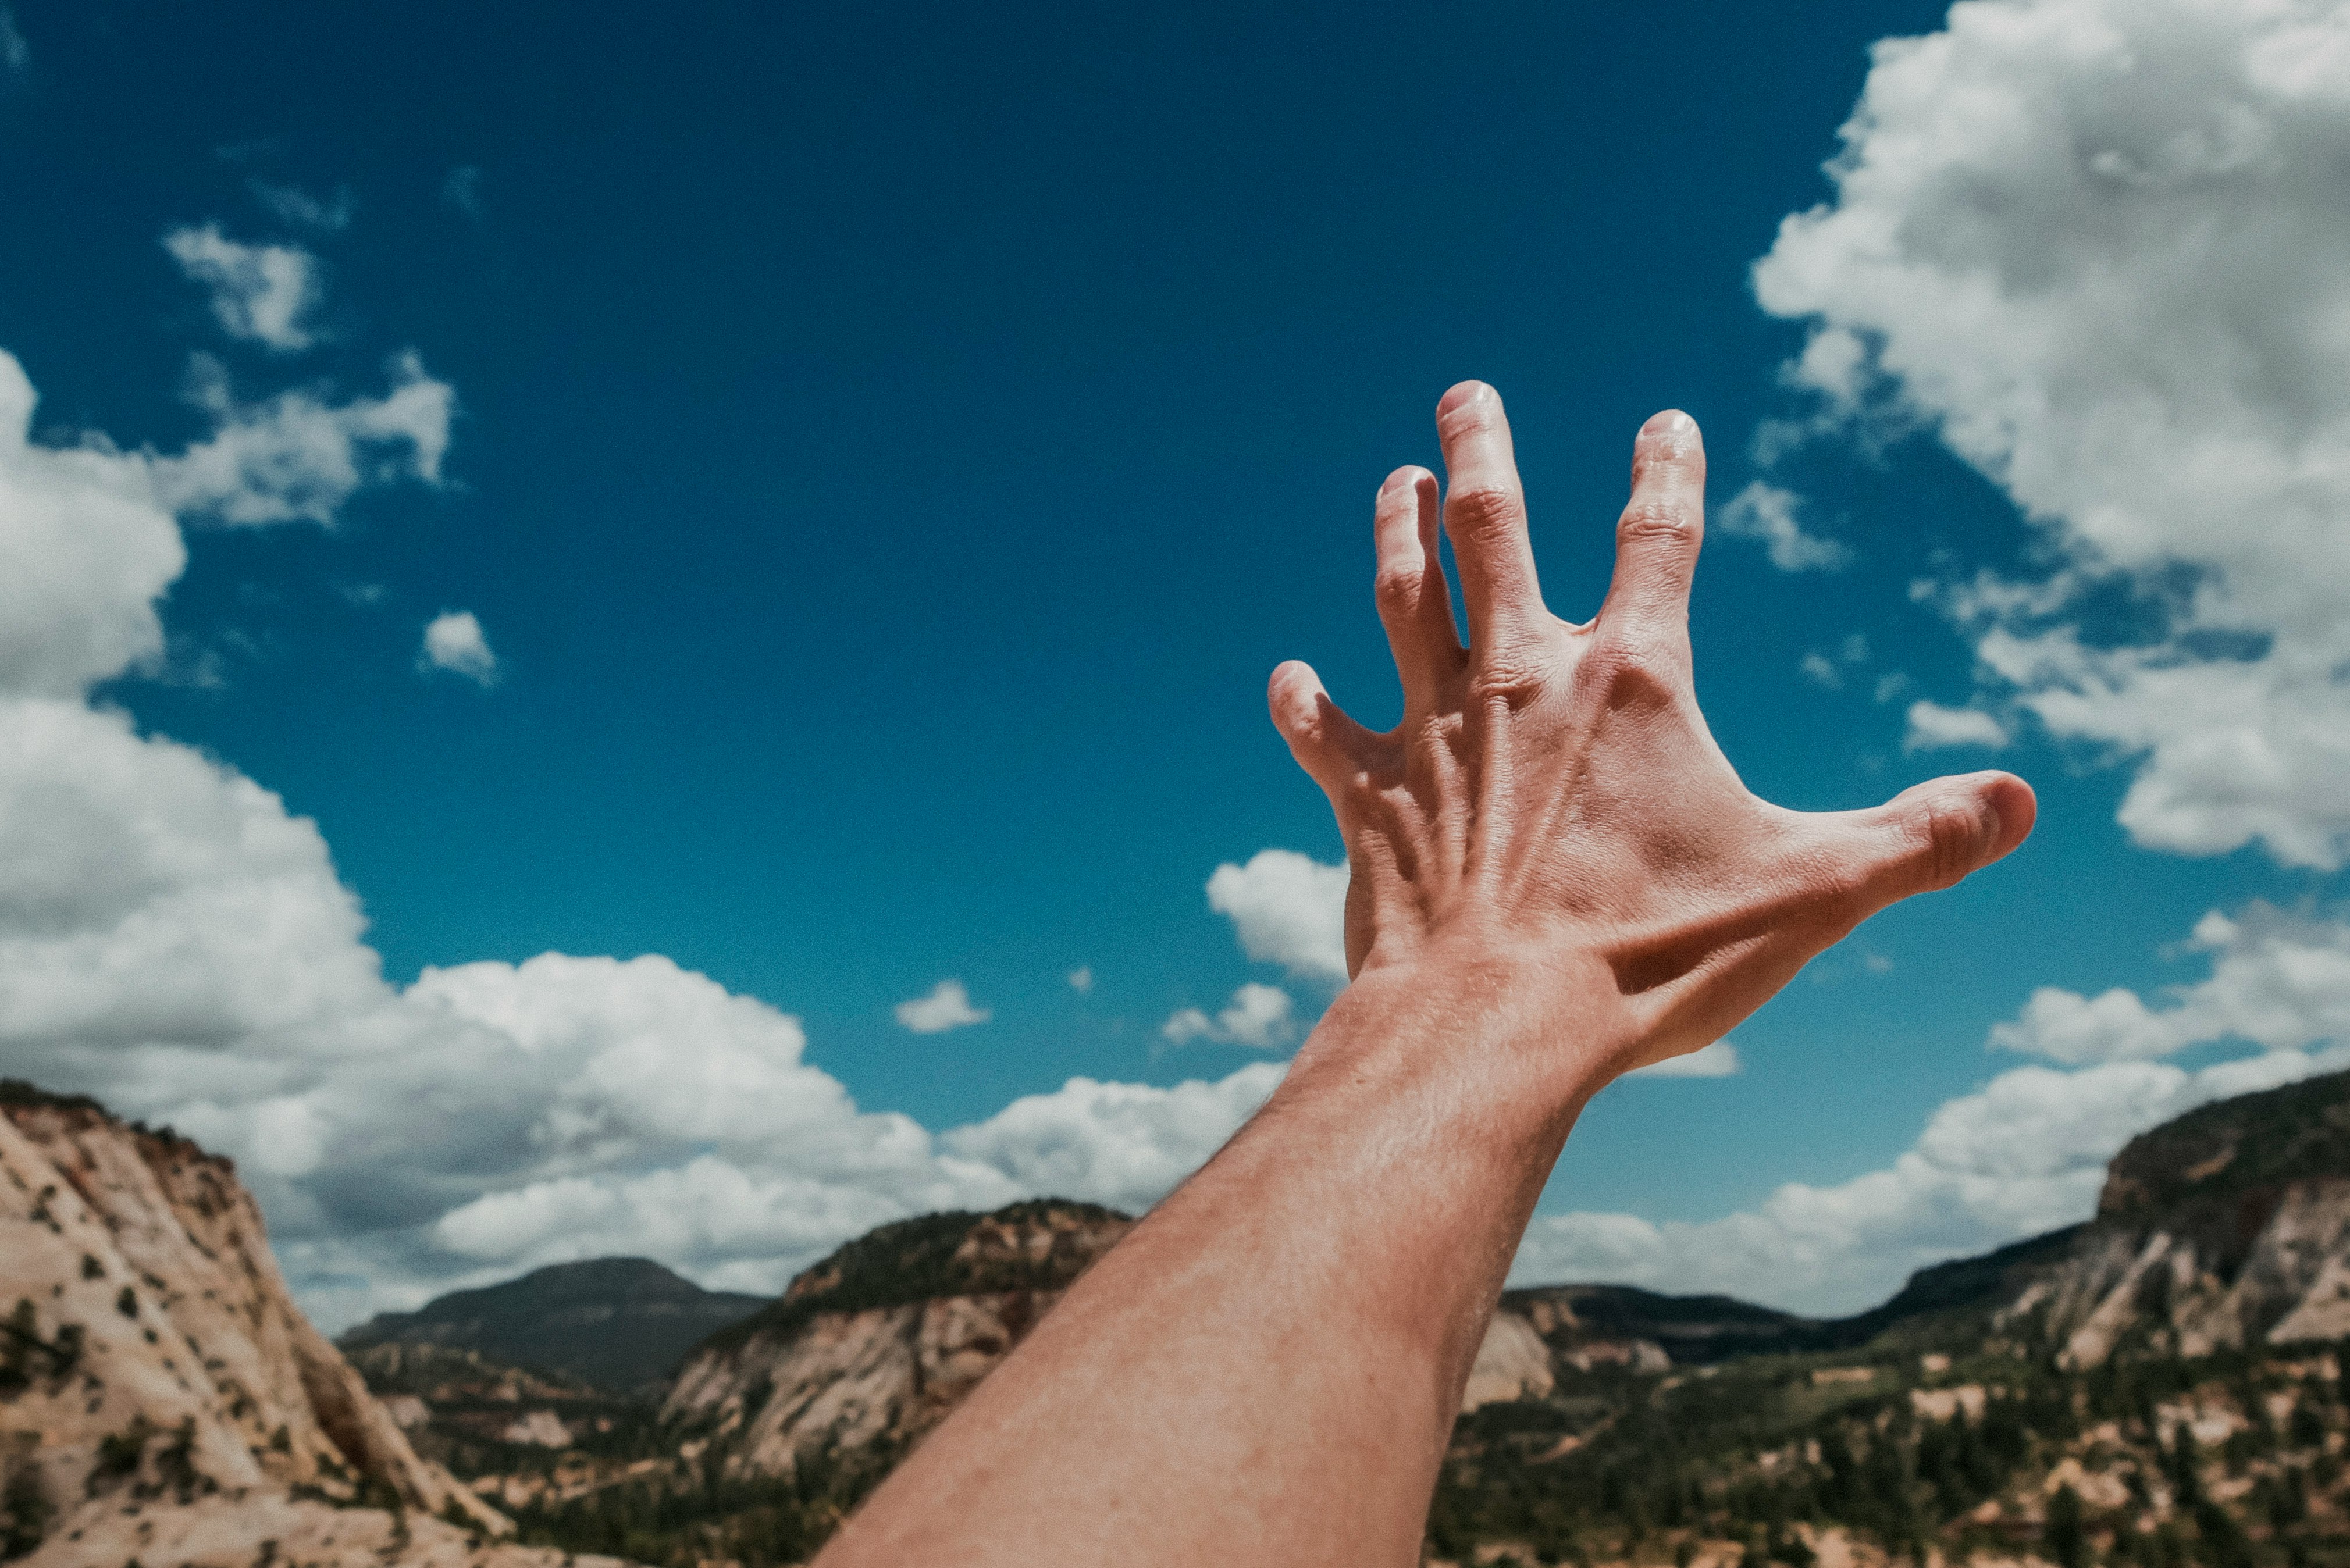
pixel 1558 877
pixel 1552 802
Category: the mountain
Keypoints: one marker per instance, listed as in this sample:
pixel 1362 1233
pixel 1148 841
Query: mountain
pixel 162 1398
pixel 2163 1383
pixel 872 1346
pixel 2227 1227
pixel 2160 1384
pixel 616 1324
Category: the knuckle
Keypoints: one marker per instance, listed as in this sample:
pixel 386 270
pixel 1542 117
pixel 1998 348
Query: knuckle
pixel 1396 589
pixel 1515 668
pixel 1623 672
pixel 1946 841
pixel 1657 520
pixel 1481 510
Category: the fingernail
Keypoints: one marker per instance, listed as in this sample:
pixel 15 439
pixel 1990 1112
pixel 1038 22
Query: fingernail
pixel 1461 396
pixel 1671 422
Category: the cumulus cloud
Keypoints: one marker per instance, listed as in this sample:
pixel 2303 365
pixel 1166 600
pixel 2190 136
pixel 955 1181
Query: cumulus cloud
pixel 1126 1145
pixel 2278 981
pixel 453 641
pixel 176 942
pixel 1719 1060
pixel 1288 909
pixel 1258 1016
pixel 262 293
pixel 1767 513
pixel 948 1006
pixel 1932 726
pixel 1081 979
pixel 298 456
pixel 2099 246
pixel 2024 1155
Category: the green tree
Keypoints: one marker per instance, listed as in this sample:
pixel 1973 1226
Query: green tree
pixel 2066 1538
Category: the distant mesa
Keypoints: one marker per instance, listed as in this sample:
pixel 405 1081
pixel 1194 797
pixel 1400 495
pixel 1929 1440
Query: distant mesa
pixel 617 1325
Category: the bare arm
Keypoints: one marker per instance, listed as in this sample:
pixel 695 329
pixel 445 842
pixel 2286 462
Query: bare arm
pixel 1556 878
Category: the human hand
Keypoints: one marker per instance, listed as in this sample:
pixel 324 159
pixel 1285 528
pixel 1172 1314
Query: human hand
pixel 1552 808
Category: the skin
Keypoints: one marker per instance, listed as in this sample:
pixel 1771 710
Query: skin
pixel 1558 877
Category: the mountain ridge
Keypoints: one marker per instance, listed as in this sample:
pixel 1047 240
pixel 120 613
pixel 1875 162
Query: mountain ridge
pixel 618 1324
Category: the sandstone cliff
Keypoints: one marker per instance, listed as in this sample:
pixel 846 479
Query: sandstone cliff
pixel 2229 1227
pixel 871 1348
pixel 161 1396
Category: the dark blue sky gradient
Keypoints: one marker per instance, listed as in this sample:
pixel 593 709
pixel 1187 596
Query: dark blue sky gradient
pixel 898 444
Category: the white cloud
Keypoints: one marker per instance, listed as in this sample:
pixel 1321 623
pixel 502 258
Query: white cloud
pixel 14 53
pixel 1719 1060
pixel 1288 909
pixel 2101 246
pixel 262 293
pixel 453 641
pixel 298 457
pixel 1122 1144
pixel 172 940
pixel 291 205
pixel 86 548
pixel 1825 670
pixel 2278 981
pixel 1258 1016
pixel 1081 979
pixel 1931 725
pixel 1767 513
pixel 948 1006
pixel 2024 1155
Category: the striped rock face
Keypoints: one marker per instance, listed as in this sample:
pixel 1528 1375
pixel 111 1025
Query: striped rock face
pixel 162 1398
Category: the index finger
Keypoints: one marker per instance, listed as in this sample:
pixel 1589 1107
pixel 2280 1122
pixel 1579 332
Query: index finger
pixel 1485 514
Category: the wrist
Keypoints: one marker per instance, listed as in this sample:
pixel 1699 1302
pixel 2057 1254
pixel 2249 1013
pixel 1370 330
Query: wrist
pixel 1512 1042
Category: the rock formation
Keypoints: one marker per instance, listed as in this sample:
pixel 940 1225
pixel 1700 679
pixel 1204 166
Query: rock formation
pixel 2226 1228
pixel 162 1398
pixel 871 1348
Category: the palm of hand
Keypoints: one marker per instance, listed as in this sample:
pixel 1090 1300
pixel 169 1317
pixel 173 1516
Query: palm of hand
pixel 1552 799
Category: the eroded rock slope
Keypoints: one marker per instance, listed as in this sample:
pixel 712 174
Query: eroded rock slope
pixel 871 1348
pixel 162 1398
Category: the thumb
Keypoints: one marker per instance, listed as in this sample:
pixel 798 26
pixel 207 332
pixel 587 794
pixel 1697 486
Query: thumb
pixel 1931 836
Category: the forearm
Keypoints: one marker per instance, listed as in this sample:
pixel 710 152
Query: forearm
pixel 1267 1368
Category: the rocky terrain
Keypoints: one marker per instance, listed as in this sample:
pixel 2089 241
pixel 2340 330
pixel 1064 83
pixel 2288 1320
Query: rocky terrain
pixel 2229 1227
pixel 2157 1386
pixel 2161 1385
pixel 162 1398
pixel 875 1344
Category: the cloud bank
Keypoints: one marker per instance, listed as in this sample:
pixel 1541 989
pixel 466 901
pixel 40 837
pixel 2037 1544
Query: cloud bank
pixel 173 940
pixel 2100 247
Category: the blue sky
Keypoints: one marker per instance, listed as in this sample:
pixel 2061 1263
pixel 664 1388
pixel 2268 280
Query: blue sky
pixel 890 448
